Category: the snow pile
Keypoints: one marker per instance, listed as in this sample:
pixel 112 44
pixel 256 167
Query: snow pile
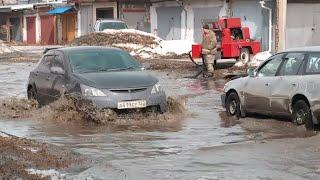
pixel 256 60
pixel 5 49
pixel 137 43
pixel 260 58
pixel 52 173
pixel 239 64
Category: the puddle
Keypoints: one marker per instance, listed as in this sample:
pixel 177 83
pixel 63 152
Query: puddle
pixel 14 79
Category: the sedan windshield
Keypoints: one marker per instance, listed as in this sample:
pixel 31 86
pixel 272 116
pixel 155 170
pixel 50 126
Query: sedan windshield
pixel 87 61
pixel 112 25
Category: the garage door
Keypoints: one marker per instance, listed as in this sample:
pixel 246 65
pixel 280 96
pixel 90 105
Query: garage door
pixel 136 18
pixel 31 30
pixel 47 29
pixel 169 22
pixel 86 20
pixel 303 25
pixel 202 15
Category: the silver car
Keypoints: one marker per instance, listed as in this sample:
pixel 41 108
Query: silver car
pixel 287 84
pixel 103 24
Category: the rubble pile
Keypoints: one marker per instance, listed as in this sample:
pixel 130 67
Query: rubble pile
pixel 109 39
pixel 137 43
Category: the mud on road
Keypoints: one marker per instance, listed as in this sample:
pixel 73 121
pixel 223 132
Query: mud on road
pixel 201 144
pixel 25 159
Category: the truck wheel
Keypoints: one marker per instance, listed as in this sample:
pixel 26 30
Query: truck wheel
pixel 301 114
pixel 233 105
pixel 244 55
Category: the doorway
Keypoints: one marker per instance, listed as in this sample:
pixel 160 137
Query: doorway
pixel 68 27
pixel 15 30
pixel 31 30
pixel 104 13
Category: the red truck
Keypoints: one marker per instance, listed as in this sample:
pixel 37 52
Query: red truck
pixel 233 40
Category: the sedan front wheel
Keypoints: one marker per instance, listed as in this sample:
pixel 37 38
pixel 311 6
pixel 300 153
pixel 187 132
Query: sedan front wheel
pixel 233 105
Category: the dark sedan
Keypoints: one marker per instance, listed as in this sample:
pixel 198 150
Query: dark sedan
pixel 109 77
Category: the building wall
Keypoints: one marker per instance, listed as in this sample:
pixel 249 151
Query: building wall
pixel 136 15
pixel 303 25
pixel 169 19
pixel 189 25
pixel 196 12
pixel 86 18
pixel 87 13
pixel 105 5
pixel 199 13
pixel 254 17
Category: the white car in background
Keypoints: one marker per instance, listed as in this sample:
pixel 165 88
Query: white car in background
pixel 103 24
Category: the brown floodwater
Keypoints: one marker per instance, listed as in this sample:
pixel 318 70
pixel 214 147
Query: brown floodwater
pixel 200 143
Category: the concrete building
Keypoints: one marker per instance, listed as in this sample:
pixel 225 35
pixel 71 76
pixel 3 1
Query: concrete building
pixel 49 24
pixel 184 19
pixel 11 21
pixel 135 13
pixel 302 23
pixel 91 10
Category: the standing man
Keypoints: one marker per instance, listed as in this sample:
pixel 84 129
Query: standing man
pixel 209 49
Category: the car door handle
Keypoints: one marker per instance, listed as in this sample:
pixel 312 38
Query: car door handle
pixel 293 84
pixel 267 84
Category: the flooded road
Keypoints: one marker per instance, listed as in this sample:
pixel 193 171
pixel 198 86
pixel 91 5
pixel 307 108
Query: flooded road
pixel 200 146
pixel 14 79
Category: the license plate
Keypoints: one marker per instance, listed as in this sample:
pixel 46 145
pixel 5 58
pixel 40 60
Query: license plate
pixel 132 104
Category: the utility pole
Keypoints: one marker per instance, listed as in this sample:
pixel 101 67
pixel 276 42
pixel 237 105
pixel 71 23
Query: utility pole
pixel 282 24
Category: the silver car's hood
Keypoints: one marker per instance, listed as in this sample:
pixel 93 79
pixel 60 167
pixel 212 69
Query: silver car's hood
pixel 236 84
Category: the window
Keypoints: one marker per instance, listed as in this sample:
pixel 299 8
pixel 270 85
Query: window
pixel 236 33
pixel 104 13
pixel 112 25
pixel 292 64
pixel 313 64
pixel 271 67
pixel 86 61
pixel 57 62
pixel 46 62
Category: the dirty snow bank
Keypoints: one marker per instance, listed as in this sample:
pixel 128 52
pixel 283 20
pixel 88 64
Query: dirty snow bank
pixel 260 57
pixel 6 49
pixel 256 60
pixel 137 43
pixel 52 173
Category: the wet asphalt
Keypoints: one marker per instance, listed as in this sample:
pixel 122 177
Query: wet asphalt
pixel 200 146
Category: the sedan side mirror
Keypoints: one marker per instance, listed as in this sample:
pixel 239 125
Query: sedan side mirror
pixel 251 72
pixel 57 70
pixel 145 66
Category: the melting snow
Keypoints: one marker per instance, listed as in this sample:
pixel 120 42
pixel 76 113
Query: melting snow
pixel 52 173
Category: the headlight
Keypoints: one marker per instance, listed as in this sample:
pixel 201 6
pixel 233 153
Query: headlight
pixel 90 91
pixel 156 88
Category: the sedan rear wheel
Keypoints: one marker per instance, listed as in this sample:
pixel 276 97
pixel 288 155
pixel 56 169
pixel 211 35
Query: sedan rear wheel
pixel 233 105
pixel 302 114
